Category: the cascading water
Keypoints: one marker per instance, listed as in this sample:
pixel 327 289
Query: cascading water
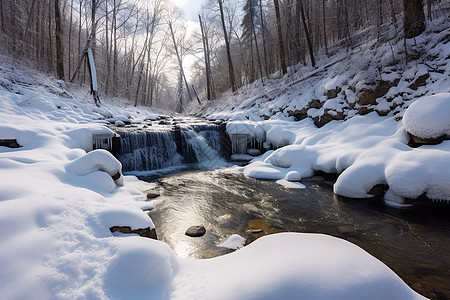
pixel 157 148
pixel 148 150
pixel 203 147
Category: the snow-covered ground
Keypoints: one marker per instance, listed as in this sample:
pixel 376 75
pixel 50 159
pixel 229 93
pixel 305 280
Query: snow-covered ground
pixel 58 201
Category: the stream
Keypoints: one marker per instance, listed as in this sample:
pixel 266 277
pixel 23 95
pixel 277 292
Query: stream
pixel 415 244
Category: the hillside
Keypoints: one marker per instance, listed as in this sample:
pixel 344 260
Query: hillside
pixel 373 76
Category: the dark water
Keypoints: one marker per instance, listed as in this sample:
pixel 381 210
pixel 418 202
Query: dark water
pixel 413 243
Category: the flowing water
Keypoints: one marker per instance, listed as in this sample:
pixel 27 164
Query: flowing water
pixel 413 243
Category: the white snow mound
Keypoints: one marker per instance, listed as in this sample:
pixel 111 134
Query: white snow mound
pixel 428 117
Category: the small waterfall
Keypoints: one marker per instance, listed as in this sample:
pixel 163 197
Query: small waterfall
pixel 203 147
pixel 152 149
pixel 148 150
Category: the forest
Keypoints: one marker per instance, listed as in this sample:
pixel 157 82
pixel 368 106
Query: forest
pixel 140 48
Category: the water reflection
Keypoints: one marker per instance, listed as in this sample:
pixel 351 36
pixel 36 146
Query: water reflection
pixel 415 244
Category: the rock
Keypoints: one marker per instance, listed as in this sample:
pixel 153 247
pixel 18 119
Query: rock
pixel 10 143
pixel 364 110
pixel 420 81
pixel 333 93
pixel 415 141
pixel 379 190
pixel 253 152
pixel 303 113
pixel 315 103
pixel 144 232
pixel 195 231
pixel 367 96
pixel 318 179
pixel 328 116
pixel 151 195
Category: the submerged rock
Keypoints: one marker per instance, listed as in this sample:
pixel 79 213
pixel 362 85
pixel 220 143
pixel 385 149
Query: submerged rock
pixel 195 231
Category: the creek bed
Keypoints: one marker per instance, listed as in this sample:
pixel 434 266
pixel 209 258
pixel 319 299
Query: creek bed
pixel 413 243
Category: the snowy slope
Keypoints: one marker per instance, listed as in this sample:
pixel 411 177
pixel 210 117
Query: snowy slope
pixel 369 77
pixel 57 203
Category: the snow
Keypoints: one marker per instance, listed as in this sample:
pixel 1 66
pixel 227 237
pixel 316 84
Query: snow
pixel 364 151
pixel 58 199
pixel 286 265
pixel 234 241
pixel 428 117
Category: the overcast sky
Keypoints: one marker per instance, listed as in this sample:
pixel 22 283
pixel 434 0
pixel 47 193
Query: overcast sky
pixel 190 8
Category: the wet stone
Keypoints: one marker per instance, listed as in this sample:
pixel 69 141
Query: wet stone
pixel 151 195
pixel 195 231
pixel 317 179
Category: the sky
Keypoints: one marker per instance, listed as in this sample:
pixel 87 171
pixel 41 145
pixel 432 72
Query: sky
pixel 190 8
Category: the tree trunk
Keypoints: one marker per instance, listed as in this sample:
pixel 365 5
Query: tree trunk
pixel 207 66
pixel 429 10
pixel 280 37
pixel 263 29
pixel 307 35
pixel 58 43
pixel 414 20
pixel 2 16
pixel 180 62
pixel 324 24
pixel 227 44
pixel 50 36
pixel 394 18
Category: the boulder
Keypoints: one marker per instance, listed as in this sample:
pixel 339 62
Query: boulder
pixel 144 232
pixel 368 96
pixel 328 116
pixel 195 231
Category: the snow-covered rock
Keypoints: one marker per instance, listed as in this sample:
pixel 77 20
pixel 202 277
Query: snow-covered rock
pixel 428 117
pixel 94 163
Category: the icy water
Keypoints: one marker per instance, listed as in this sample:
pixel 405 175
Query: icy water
pixel 414 243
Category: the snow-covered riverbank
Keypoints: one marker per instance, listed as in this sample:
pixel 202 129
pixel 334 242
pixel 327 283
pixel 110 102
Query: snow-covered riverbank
pixel 366 151
pixel 56 209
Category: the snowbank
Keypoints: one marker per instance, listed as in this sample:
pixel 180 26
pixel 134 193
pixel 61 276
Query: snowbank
pixel 365 151
pixel 287 265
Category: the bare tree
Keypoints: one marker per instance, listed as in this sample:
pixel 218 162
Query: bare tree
pixel 280 37
pixel 58 43
pixel 414 18
pixel 227 44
